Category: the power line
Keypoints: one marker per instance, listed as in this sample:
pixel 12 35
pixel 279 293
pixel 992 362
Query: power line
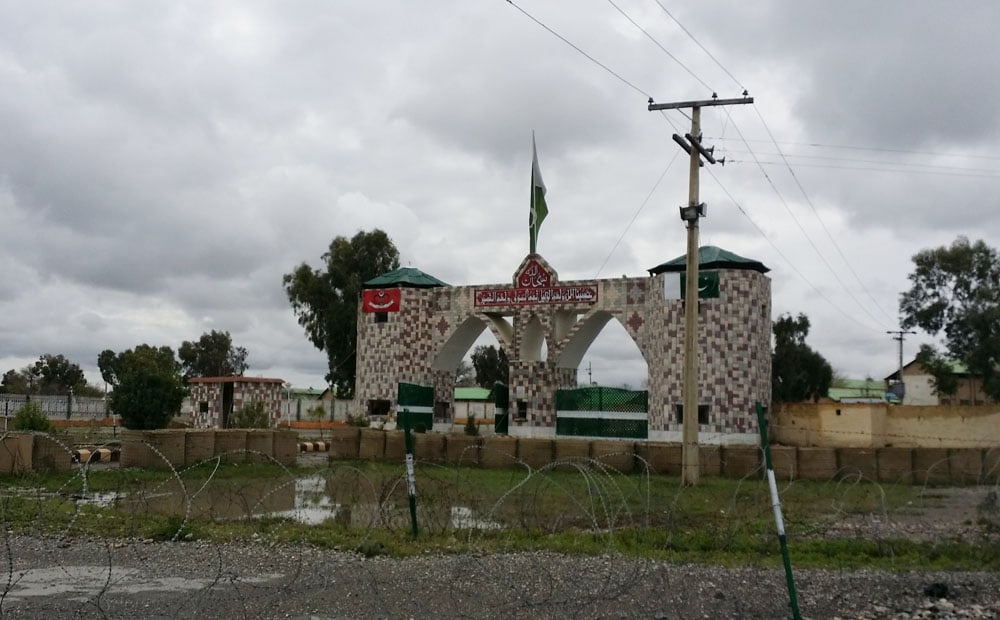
pixel 867 148
pixel 698 43
pixel 657 43
pixel 794 177
pixel 802 229
pixel 575 47
pixel 815 211
pixel 787 260
pixel 869 169
pixel 905 164
pixel 636 215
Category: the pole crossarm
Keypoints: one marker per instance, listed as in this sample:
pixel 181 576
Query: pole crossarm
pixel 697 104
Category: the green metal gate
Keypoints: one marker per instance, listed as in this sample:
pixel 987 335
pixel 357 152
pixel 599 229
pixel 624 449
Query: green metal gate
pixel 602 412
pixel 415 402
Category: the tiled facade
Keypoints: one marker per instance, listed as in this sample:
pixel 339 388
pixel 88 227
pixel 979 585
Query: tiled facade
pixel 207 397
pixel 424 342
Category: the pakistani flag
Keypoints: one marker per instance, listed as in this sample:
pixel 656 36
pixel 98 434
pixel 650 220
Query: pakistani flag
pixel 538 208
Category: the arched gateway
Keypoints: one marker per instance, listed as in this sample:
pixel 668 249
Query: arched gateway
pixel 414 328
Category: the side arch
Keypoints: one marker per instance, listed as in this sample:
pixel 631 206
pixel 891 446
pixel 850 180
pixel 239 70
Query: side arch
pixel 465 335
pixel 582 336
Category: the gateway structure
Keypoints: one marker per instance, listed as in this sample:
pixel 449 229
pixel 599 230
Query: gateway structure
pixel 413 328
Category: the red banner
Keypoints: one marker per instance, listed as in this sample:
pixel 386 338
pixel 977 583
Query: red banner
pixel 380 300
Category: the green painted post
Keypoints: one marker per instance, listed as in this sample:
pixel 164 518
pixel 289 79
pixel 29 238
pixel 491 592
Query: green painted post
pixel 411 482
pixel 776 506
pixel 69 403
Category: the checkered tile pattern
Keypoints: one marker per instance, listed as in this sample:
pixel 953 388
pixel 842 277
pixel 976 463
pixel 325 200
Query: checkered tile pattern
pixel 245 390
pixel 436 327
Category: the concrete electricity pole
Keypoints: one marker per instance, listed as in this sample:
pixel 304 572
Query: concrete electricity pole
pixel 690 460
pixel 900 335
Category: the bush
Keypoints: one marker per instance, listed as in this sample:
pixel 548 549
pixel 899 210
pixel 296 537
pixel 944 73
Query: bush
pixel 146 398
pixel 30 417
pixel 471 428
pixel 250 415
pixel 358 420
pixel 316 413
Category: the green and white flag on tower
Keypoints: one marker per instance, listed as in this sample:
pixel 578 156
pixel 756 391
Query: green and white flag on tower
pixel 538 207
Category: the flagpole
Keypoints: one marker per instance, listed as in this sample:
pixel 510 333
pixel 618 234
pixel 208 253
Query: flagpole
pixel 532 234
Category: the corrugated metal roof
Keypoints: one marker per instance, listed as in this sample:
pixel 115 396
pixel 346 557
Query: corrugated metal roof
pixel 711 257
pixel 472 393
pixel 407 277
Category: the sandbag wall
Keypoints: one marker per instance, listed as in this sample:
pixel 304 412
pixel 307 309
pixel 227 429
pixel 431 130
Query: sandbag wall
pixel 896 465
pixel 174 448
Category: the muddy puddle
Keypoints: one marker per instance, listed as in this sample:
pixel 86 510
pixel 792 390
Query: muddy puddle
pixel 311 500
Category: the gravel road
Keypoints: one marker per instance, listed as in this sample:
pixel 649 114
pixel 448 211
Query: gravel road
pixel 140 579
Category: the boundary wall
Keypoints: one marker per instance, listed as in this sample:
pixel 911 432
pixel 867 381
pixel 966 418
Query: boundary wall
pixel 164 449
pixel 940 466
pixel 880 425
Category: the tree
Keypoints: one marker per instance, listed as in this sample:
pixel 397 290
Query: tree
pixel 943 378
pixel 57 375
pixel 19 381
pixel 491 366
pixel 465 375
pixel 326 302
pixel 213 355
pixel 956 290
pixel 50 374
pixel 797 372
pixel 148 389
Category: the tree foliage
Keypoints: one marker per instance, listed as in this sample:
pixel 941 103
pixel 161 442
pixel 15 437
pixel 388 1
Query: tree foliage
pixel 148 389
pixel 251 415
pixel 213 355
pixel 18 381
pixel 943 377
pixel 956 290
pixel 797 372
pixel 465 375
pixel 491 366
pixel 325 301
pixel 50 374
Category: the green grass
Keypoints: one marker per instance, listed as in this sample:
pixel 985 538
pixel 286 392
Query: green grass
pixel 574 510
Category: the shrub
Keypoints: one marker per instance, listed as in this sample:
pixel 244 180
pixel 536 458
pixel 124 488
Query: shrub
pixel 316 413
pixel 471 428
pixel 250 415
pixel 146 398
pixel 30 417
pixel 358 420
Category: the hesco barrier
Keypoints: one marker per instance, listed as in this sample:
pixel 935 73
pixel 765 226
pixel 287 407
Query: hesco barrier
pixel 48 453
pixel 199 445
pixel 157 449
pixel 231 445
pixel 16 453
pixel 163 449
pixel 940 466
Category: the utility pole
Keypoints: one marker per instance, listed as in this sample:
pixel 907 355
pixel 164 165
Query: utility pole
pixel 900 335
pixel 690 459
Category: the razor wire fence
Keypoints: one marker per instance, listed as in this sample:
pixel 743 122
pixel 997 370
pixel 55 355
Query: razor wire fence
pixel 238 535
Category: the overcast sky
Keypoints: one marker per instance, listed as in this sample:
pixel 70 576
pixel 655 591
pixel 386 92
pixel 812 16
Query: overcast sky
pixel 162 164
